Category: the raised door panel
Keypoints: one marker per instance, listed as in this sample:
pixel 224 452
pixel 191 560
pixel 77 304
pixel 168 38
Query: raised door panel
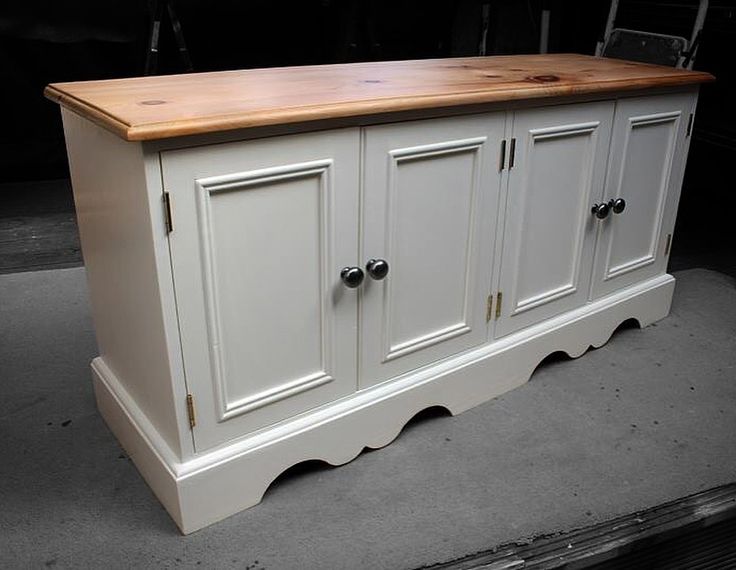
pixel 557 175
pixel 261 231
pixel 648 151
pixel 430 208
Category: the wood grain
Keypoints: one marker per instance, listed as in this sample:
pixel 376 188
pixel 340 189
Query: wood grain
pixel 150 108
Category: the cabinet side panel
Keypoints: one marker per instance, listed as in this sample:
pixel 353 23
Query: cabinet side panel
pixel 116 233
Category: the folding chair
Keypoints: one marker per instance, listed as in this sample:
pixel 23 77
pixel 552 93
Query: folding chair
pixel 650 47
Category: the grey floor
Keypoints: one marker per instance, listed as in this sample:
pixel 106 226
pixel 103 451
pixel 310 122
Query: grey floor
pixel 647 418
pixel 38 227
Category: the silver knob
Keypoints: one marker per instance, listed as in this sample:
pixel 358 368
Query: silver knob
pixel 601 210
pixel 618 205
pixel 377 268
pixel 352 277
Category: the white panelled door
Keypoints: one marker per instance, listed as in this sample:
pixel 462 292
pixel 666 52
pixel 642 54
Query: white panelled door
pixel 645 170
pixel 430 202
pixel 264 228
pixel 261 232
pixel 557 175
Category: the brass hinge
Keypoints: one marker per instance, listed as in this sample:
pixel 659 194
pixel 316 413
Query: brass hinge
pixel 689 125
pixel 667 244
pixel 167 213
pixel 502 156
pixel 499 298
pixel 512 153
pixel 190 411
pixel 489 307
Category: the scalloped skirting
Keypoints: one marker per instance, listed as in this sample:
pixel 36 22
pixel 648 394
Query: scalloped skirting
pixel 208 487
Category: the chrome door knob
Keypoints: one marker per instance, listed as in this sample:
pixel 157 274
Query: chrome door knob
pixel 352 276
pixel 377 268
pixel 601 210
pixel 618 205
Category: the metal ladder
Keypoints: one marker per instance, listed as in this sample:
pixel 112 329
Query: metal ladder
pixel 650 47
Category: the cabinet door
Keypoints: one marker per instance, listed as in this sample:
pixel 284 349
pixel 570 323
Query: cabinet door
pixel 645 169
pixel 557 175
pixel 261 230
pixel 429 210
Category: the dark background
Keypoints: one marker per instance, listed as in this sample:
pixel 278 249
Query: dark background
pixel 44 41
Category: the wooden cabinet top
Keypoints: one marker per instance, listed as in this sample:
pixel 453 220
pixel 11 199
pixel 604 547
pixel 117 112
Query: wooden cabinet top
pixel 149 108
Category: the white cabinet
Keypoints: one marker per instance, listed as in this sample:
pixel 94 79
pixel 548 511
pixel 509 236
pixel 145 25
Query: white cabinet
pixel 645 169
pixel 288 265
pixel 262 229
pixel 556 172
pixel 430 202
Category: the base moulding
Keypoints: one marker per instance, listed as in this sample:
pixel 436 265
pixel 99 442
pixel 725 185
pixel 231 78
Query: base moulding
pixel 217 483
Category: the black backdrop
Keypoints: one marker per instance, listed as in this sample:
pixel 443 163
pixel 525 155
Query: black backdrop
pixel 43 41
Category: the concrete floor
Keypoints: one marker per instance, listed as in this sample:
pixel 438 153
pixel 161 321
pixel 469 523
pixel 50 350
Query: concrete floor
pixel 647 418
pixel 38 227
